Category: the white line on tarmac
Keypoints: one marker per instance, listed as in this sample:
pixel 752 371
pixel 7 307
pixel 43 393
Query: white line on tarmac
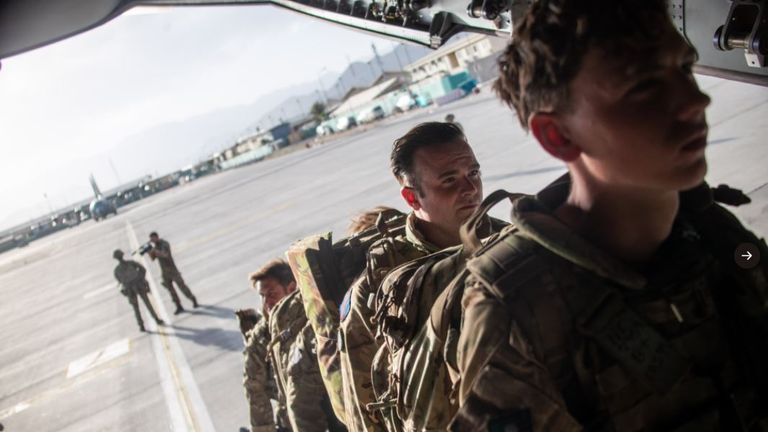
pixel 102 290
pixel 185 404
pixel 19 407
pixel 98 358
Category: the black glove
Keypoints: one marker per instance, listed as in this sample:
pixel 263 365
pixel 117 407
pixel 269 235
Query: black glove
pixel 247 319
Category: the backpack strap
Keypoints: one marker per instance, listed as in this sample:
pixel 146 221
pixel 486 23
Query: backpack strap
pixel 469 229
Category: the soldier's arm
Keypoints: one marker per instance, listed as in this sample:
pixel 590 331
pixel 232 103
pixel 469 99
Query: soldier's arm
pixel 360 347
pixel 256 381
pixel 162 249
pixel 247 320
pixel 503 383
pixel 305 390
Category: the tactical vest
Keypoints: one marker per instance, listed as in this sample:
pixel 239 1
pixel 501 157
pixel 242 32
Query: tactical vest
pixel 685 350
pixel 409 377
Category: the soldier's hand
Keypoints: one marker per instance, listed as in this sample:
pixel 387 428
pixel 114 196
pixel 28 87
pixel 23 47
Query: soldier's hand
pixel 247 319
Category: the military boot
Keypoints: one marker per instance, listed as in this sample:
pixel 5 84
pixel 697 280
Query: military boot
pixel 194 302
pixel 179 309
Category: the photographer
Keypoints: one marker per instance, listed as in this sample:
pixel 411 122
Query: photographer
pixel 131 274
pixel 161 251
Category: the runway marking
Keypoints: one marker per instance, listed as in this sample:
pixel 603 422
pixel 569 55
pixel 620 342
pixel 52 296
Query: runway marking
pixel 185 404
pixel 19 407
pixel 98 358
pixel 94 293
pixel 57 391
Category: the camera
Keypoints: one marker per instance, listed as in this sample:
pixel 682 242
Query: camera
pixel 146 247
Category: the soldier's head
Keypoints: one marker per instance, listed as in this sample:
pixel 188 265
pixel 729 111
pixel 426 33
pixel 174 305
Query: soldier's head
pixel 438 174
pixel 366 219
pixel 606 86
pixel 153 237
pixel 273 282
pixel 117 254
pixel 449 118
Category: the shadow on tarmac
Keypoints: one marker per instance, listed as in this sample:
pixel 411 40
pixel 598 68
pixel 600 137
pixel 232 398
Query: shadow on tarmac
pixel 226 340
pixel 212 310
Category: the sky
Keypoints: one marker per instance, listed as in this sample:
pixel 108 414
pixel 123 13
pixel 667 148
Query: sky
pixel 66 106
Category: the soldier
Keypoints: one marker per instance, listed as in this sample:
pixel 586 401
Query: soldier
pixel 616 304
pixel 131 275
pixel 161 251
pixel 259 376
pixel 293 355
pixel 440 180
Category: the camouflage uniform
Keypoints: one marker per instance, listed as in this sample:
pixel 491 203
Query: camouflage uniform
pixel 408 377
pixel 557 335
pixel 130 274
pixel 171 274
pixel 294 358
pixel 259 380
pixel 357 336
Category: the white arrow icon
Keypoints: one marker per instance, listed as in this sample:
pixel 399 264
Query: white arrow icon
pixel 747 255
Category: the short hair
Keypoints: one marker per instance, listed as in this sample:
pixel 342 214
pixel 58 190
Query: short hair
pixel 153 234
pixel 366 219
pixel 277 269
pixel 422 136
pixel 550 41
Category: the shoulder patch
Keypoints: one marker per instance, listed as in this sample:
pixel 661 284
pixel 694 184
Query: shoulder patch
pixel 346 305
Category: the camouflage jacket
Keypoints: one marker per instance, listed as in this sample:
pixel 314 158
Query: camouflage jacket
pixel 357 336
pixel 131 276
pixel 294 359
pixel 259 380
pixel 167 265
pixel 408 376
pixel 558 335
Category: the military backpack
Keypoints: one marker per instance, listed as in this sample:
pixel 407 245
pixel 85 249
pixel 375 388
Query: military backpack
pixel 409 376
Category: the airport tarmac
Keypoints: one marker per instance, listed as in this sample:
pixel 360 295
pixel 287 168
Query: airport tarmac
pixel 72 356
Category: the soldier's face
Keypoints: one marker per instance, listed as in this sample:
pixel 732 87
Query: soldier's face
pixel 449 185
pixel 639 120
pixel 154 239
pixel 271 292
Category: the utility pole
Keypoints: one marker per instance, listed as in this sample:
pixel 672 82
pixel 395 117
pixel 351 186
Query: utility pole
pixel 322 87
pixel 397 56
pixel 376 56
pixel 373 73
pixel 407 53
pixel 301 109
pixel 50 207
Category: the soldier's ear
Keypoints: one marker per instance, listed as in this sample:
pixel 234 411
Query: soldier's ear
pixel 409 195
pixel 291 287
pixel 553 138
